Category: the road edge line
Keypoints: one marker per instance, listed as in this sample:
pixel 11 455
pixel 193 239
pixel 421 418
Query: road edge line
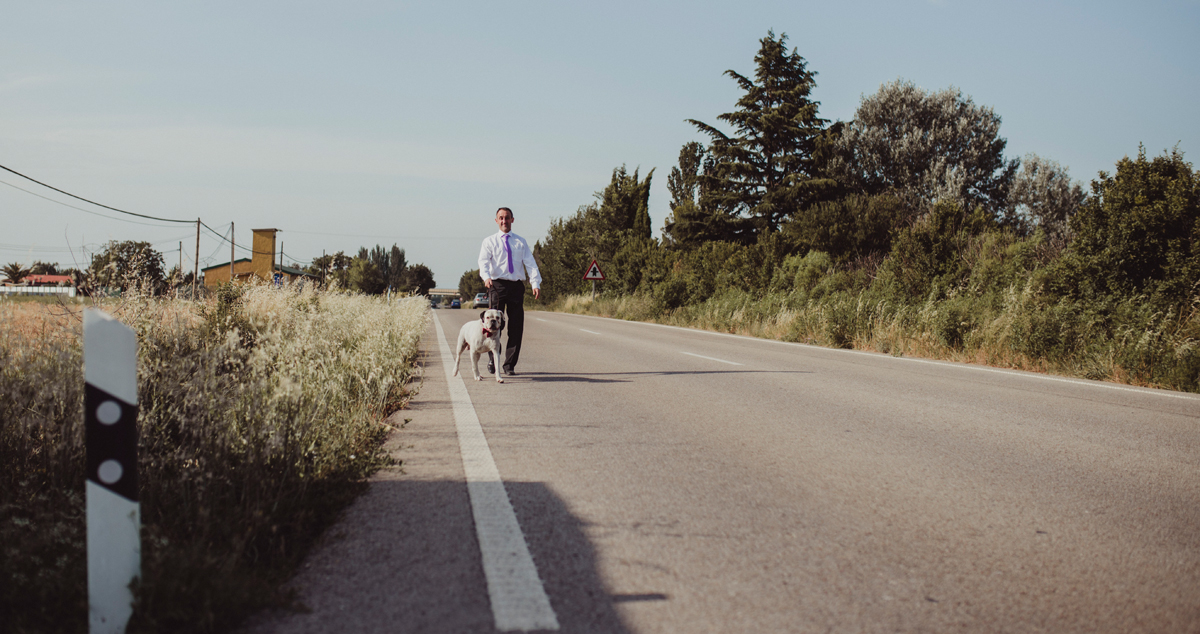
pixel 518 599
pixel 1145 391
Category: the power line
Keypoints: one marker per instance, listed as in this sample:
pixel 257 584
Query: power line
pixel 296 260
pixel 238 246
pixel 33 248
pixel 377 236
pixel 92 201
pixel 173 220
pixel 86 211
pixel 209 259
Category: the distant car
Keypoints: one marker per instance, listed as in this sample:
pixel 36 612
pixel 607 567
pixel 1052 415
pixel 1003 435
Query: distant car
pixel 454 303
pixel 481 299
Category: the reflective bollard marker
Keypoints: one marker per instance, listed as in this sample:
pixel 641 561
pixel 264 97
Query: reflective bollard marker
pixel 114 550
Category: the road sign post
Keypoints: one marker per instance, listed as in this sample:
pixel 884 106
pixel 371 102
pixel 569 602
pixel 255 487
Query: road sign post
pixel 114 548
pixel 594 273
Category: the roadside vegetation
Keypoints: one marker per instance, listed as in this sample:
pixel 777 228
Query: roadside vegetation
pixel 906 231
pixel 262 412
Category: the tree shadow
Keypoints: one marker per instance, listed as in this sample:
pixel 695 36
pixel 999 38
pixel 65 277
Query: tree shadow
pixel 406 559
pixel 594 377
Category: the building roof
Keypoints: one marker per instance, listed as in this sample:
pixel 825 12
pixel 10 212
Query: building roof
pixel 217 266
pixel 291 271
pixel 285 269
pixel 47 279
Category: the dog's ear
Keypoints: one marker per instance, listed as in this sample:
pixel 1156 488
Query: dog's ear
pixel 502 321
pixel 483 316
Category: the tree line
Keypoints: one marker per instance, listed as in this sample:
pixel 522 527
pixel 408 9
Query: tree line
pixel 129 264
pixel 896 192
pixel 374 271
pixel 910 214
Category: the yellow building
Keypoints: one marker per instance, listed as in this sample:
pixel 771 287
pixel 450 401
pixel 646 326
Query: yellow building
pixel 261 264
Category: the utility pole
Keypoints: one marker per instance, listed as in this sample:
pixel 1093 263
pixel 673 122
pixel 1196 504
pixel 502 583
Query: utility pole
pixel 196 260
pixel 232 237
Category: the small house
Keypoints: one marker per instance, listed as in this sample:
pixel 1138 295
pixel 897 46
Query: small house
pixel 260 265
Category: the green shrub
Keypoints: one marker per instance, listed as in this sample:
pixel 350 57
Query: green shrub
pixel 1138 234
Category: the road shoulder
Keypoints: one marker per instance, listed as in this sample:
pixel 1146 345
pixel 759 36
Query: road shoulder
pixel 404 557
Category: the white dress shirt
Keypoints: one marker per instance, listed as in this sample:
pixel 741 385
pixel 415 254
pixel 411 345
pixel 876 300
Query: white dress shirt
pixel 493 259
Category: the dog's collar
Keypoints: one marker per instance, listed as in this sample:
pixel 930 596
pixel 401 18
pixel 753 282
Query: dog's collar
pixel 487 333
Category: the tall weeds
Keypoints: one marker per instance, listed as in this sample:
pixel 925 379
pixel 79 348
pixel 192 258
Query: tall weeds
pixel 261 414
pixel 1019 327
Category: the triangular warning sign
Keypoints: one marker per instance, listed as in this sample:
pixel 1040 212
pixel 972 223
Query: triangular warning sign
pixel 594 272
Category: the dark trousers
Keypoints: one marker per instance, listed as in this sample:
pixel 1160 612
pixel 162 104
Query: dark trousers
pixel 509 296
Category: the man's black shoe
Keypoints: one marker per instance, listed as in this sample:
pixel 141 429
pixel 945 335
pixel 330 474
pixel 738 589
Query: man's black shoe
pixel 491 368
pixel 510 372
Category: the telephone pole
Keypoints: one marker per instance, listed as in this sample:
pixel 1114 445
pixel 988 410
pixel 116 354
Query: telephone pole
pixel 196 261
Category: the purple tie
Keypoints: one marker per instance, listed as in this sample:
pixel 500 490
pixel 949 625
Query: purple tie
pixel 508 250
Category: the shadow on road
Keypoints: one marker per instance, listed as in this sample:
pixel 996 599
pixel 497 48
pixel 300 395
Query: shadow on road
pixel 406 559
pixel 593 377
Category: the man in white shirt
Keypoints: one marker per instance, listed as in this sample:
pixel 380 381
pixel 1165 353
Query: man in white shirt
pixel 504 260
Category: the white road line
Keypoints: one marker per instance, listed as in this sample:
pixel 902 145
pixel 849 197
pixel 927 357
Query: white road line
pixel 709 358
pixel 946 364
pixel 519 601
pixel 539 319
pixel 591 331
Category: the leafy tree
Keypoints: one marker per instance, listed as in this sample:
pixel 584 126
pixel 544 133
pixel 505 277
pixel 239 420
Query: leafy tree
pixel 927 255
pixel 470 284
pixel 1043 195
pixel 128 264
pixel 391 264
pixel 43 268
pixel 177 279
pixel 1138 233
pixel 565 253
pixel 766 170
pixel 364 276
pixel 14 272
pixel 418 279
pixel 332 268
pixel 619 216
pixel 924 147
pixel 849 228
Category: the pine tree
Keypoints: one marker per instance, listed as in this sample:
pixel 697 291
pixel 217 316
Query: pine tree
pixel 766 171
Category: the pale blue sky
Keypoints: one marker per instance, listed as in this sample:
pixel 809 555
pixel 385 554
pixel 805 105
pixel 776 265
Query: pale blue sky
pixel 410 123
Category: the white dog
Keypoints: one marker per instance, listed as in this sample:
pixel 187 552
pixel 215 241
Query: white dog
pixel 480 337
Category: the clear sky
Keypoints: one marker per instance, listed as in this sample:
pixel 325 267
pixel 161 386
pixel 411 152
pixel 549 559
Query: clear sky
pixel 352 124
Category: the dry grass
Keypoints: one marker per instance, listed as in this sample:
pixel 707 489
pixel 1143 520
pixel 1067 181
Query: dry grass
pixel 261 414
pixel 1124 343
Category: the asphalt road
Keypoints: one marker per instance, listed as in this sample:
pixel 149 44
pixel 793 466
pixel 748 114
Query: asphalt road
pixel 667 480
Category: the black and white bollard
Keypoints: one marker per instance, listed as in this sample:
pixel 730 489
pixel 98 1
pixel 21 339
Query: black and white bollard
pixel 114 546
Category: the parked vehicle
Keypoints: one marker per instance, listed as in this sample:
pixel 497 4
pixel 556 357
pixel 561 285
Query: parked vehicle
pixel 454 303
pixel 481 299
